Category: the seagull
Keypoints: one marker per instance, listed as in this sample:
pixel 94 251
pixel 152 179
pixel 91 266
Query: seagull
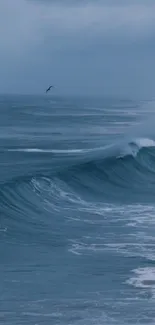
pixel 49 88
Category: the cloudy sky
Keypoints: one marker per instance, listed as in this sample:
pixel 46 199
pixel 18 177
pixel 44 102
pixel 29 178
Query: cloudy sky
pixel 97 47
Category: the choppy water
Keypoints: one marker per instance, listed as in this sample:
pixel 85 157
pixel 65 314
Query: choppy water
pixel 77 211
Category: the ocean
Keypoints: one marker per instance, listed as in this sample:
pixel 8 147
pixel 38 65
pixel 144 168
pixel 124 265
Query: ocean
pixel 77 210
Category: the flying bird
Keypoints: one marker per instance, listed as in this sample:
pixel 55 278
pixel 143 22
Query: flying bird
pixel 49 88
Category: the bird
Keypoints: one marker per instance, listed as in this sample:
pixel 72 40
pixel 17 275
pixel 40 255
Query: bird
pixel 49 88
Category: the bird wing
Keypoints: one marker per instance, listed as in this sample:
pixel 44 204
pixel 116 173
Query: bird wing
pixel 49 88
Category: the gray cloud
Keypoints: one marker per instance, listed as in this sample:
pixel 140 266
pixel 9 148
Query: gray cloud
pixel 84 47
pixel 101 2
pixel 134 16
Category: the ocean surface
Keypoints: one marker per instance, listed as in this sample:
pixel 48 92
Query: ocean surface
pixel 77 211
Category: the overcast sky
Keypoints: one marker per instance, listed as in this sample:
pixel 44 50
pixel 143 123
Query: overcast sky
pixel 97 47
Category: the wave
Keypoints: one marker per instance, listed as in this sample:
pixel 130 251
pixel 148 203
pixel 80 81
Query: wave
pixel 139 143
pixel 99 171
pixel 108 175
pixel 138 148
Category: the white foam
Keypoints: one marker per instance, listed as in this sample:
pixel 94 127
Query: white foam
pixel 36 314
pixel 48 150
pixel 133 147
pixel 144 142
pixel 144 278
pixel 3 229
pixel 139 241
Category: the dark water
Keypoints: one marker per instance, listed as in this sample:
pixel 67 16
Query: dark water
pixel 77 211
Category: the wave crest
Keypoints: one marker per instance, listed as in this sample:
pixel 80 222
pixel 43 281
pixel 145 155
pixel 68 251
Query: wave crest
pixel 128 165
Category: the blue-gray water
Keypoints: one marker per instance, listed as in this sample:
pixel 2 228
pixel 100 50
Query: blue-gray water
pixel 77 211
